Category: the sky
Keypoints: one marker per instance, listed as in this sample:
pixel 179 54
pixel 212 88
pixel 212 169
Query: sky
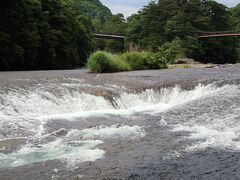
pixel 129 7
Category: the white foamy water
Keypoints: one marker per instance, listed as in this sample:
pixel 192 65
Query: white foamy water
pixel 24 113
pixel 30 109
pixel 218 128
pixel 220 138
pixel 218 134
pixel 108 132
pixel 149 101
pixel 75 147
pixel 79 150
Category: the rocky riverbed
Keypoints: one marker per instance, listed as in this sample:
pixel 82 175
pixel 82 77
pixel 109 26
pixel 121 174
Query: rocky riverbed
pixel 160 124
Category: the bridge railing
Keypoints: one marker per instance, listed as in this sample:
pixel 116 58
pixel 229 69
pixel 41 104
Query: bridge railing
pixel 109 36
pixel 199 34
pixel 216 32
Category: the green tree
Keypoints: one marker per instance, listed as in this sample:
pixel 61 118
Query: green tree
pixel 42 34
pixel 235 17
pixel 167 20
pixel 235 20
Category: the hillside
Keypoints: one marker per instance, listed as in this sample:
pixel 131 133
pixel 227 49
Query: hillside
pixel 235 18
pixel 102 21
pixel 93 8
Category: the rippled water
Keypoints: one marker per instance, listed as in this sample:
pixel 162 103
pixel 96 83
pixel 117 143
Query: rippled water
pixel 63 122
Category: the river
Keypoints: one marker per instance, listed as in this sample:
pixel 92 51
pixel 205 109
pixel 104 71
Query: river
pixel 161 124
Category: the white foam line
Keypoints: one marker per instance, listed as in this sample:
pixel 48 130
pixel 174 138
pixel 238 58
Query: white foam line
pixel 77 146
pixel 31 109
pixel 81 151
pixel 108 132
pixel 148 101
pixel 222 138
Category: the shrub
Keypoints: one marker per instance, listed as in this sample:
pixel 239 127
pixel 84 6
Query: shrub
pixel 154 62
pixel 104 62
pixel 136 60
pixel 143 60
pixel 170 51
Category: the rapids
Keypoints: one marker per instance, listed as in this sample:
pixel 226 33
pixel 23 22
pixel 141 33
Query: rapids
pixel 69 124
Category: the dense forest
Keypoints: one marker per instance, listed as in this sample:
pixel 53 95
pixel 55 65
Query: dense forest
pixel 57 34
pixel 42 34
pixel 176 24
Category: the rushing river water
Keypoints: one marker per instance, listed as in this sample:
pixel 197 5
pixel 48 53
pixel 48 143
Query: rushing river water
pixel 68 129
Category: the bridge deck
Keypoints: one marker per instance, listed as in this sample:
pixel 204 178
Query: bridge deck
pixel 108 36
pixel 218 35
pixel 117 37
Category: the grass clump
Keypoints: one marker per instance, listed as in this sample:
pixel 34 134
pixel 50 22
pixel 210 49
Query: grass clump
pixel 136 60
pixel 143 60
pixel 104 62
pixel 179 66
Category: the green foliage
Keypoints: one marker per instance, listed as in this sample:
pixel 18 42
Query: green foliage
pixel 42 34
pixel 116 24
pixel 56 34
pixel 136 60
pixel 114 46
pixel 218 50
pixel 103 21
pixel 154 61
pixel 143 60
pixel 94 9
pixel 104 62
pixel 235 20
pixel 160 23
pixel 235 17
pixel 238 51
pixel 192 48
pixel 170 51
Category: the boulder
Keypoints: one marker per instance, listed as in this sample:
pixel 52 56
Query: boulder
pixel 186 61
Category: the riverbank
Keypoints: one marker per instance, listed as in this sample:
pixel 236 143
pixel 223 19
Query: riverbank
pixel 133 80
pixel 200 65
pixel 129 125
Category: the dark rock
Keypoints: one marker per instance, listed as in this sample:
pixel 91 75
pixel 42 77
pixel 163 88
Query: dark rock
pixel 61 132
pixel 186 61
